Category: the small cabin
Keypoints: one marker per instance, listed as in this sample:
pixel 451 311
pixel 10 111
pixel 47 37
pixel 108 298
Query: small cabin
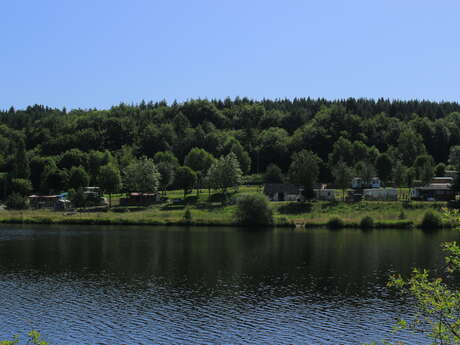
pixel 380 194
pixel 283 192
pixel 57 202
pixel 140 199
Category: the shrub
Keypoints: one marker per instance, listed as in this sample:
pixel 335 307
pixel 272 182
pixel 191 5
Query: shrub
pixel 402 215
pixel 295 208
pixel 188 215
pixel 431 220
pixel 335 223
pixel 253 209
pixel 16 202
pixel 367 223
pixel 79 198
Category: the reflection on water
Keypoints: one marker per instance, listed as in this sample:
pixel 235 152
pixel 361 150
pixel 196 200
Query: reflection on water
pixel 102 285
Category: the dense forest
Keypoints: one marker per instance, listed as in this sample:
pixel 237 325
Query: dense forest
pixel 43 144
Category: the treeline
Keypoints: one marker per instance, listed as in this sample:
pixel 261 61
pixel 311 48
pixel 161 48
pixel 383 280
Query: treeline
pixel 47 146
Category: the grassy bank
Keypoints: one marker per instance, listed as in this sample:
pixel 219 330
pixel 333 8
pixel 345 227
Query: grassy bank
pixel 205 211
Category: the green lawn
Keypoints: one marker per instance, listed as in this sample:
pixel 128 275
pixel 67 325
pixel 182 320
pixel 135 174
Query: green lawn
pixel 208 213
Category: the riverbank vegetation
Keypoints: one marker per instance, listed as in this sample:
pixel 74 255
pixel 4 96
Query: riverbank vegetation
pixel 207 209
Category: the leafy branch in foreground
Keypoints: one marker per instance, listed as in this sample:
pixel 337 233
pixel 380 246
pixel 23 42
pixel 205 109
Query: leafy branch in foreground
pixel 435 294
pixel 34 338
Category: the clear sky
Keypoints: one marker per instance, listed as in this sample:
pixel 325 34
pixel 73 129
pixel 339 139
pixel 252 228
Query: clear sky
pixel 98 53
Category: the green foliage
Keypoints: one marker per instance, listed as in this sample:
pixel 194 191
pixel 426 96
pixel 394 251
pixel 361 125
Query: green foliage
pixel 253 209
pixel 273 174
pixel 225 173
pixel 259 133
pixel 424 167
pixel 431 220
pixel 167 173
pixel 20 166
pixel 383 165
pixel 295 208
pixel 411 174
pixel 73 158
pixel 242 156
pixel 399 174
pixel 367 223
pixel 97 159
pixel 78 198
pixel 78 177
pixel 16 201
pixel 166 157
pixel 335 223
pixel 437 301
pixel 440 169
pixel 54 180
pixel 188 215
pixel 402 215
pixel 304 170
pixel 38 167
pixel 34 338
pixel 21 186
pixel 185 179
pixel 109 179
pixel 410 145
pixel 454 157
pixel 199 160
pixel 365 170
pixel 343 176
pixel 141 176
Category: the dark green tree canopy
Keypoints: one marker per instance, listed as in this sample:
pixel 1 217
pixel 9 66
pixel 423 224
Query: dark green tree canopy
pixel 258 132
pixel 185 178
pixel 304 171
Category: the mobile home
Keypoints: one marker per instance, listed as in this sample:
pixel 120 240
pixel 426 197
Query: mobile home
pixel 380 194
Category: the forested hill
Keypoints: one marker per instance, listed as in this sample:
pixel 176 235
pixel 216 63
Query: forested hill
pixel 270 131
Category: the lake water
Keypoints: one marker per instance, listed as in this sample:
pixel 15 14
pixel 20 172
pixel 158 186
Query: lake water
pixel 155 285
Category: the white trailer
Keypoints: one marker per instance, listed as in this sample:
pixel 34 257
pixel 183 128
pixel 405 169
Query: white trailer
pixel 380 194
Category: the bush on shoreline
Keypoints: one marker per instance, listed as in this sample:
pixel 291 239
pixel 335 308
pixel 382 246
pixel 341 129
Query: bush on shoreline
pixel 335 223
pixel 16 202
pixel 253 209
pixel 367 223
pixel 431 220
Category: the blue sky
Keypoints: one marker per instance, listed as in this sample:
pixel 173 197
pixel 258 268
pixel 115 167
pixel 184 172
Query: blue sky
pixel 99 53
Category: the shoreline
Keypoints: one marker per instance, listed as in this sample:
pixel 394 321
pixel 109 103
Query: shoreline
pixel 388 224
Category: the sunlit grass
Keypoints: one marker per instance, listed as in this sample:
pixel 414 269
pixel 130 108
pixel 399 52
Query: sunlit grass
pixel 210 213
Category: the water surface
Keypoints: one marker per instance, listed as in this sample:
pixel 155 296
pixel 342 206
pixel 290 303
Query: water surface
pixel 164 285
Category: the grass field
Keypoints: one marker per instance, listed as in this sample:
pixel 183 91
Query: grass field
pixel 204 212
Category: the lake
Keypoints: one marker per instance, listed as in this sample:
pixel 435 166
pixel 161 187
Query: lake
pixel 170 285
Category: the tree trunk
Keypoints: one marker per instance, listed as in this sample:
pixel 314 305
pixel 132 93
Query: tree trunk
pixel 110 200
